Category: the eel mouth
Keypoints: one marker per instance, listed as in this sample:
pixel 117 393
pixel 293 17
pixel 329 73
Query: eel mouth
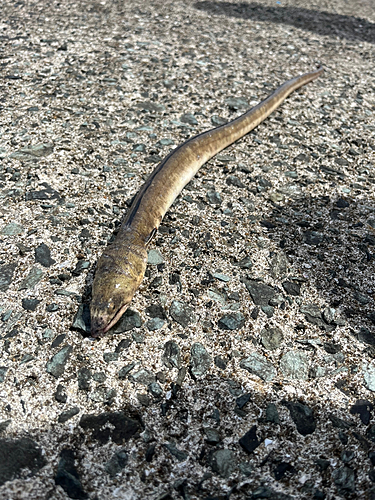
pixel 100 325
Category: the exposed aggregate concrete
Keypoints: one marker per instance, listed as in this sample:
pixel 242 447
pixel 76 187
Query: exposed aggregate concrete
pixel 245 367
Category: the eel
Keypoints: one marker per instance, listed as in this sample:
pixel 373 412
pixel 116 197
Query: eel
pixel 121 267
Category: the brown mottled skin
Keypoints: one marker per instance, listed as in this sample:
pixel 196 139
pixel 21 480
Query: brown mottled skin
pixel 122 265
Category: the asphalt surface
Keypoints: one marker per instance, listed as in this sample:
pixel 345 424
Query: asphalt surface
pixel 245 367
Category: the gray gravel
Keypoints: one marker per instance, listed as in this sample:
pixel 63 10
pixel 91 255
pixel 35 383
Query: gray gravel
pixel 245 367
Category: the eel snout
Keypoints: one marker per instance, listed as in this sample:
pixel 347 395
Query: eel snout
pixel 119 273
pixel 101 321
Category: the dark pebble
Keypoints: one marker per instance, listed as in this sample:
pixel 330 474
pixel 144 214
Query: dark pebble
pixel 244 263
pixel 32 279
pixel 267 224
pixel 200 360
pixel 130 320
pixel 271 338
pixel 30 304
pixel 173 450
pixel 344 479
pixel 143 377
pixel 60 394
pixel 67 475
pixel 99 377
pixel 188 118
pixel 56 365
pixel 139 337
pixel 123 344
pixel 365 336
pixel 156 282
pixel 43 255
pixel 292 288
pixel 281 469
pixel 67 415
pixel 161 376
pixel 6 275
pixel 363 409
pixel 156 311
pixel 81 266
pixel 259 292
pixel 220 362
pixel 347 456
pixel 279 265
pixel 302 416
pixel 361 298
pixel 116 463
pixel 331 348
pixel 263 183
pixel 84 235
pixel 322 464
pixel 26 358
pixel 272 415
pixel 266 492
pixel 110 356
pixel 339 423
pixel 313 238
pixel 82 319
pixel 233 321
pixel 181 375
pixel 255 313
pixel 371 476
pixel 212 435
pixel 214 198
pixel 48 193
pixel 182 313
pixel 225 158
pixel 151 106
pixel 218 120
pixel 172 355
pixel 370 433
pixel 58 340
pixel 139 148
pixel 153 159
pixel 370 239
pixel 125 370
pixel 242 400
pixel 155 324
pixel 249 441
pixel 342 162
pixel 259 366
pixel 312 314
pixel 165 142
pixel 341 203
pixel 215 415
pixel 223 462
pixel 232 180
pixel 328 315
pixel 4 425
pixel 150 453
pixel 84 377
pixel 156 390
pixel 144 399
pixel 236 103
pixel 103 394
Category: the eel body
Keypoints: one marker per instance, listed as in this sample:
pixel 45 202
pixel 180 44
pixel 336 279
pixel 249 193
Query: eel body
pixel 122 265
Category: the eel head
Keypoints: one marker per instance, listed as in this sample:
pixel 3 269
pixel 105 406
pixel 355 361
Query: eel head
pixel 119 273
